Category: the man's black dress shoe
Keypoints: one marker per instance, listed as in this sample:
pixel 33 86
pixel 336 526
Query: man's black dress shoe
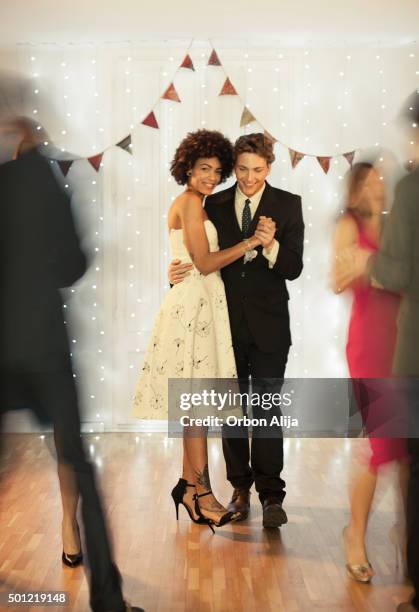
pixel 273 513
pixel 240 504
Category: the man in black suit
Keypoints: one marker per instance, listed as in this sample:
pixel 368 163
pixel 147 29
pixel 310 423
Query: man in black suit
pixel 257 300
pixel 39 253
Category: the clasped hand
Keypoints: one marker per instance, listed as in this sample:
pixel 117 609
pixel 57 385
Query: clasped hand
pixel 265 231
pixel 265 235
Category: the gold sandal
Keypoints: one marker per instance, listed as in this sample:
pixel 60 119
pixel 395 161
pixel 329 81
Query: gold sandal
pixel 361 572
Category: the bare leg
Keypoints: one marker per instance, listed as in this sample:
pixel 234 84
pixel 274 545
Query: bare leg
pixel 361 496
pixel 69 499
pixel 189 475
pixel 187 471
pixel 195 471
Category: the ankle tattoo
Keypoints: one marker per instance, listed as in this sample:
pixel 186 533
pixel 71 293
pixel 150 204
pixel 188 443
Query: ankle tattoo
pixel 202 477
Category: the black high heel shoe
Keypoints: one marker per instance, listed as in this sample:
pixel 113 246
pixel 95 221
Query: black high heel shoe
pixel 177 494
pixel 225 518
pixel 72 560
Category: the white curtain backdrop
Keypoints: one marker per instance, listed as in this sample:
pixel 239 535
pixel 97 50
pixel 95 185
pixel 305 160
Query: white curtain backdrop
pixel 321 101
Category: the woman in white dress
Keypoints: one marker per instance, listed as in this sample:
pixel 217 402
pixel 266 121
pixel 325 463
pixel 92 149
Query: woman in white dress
pixel 191 335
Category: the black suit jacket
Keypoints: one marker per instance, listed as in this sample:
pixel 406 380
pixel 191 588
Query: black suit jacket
pixel 39 253
pixel 254 290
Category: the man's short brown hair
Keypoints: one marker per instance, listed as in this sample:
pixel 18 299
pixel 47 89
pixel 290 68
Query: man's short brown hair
pixel 256 143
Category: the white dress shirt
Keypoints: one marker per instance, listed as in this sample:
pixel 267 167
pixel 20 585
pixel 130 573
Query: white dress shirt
pixel 239 203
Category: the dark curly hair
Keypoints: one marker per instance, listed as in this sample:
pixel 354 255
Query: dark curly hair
pixel 202 143
pixel 255 143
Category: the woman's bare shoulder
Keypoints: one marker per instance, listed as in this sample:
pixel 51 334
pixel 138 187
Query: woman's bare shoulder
pixel 189 204
pixel 188 197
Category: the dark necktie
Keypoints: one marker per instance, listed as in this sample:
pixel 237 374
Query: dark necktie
pixel 246 219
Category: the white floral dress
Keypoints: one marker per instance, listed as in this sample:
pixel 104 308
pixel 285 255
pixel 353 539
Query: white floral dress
pixel 191 335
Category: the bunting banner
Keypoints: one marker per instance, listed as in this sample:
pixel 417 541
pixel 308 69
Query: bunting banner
pixel 214 59
pixel 349 157
pixel 228 89
pixel 151 121
pixel 295 157
pixel 171 94
pixel 65 165
pixel 269 137
pixel 247 117
pixel 125 144
pixel 187 63
pixel 95 161
pixel 324 162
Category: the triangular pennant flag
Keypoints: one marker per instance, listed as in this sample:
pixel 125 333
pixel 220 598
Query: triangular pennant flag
pixel 95 161
pixel 349 157
pixel 187 63
pixel 151 121
pixel 228 89
pixel 213 59
pixel 324 162
pixel 65 165
pixel 125 144
pixel 269 137
pixel 246 117
pixel 171 94
pixel 295 157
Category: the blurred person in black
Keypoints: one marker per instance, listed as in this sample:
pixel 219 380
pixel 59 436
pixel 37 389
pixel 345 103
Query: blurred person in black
pixel 39 254
pixel 21 331
pixel 396 268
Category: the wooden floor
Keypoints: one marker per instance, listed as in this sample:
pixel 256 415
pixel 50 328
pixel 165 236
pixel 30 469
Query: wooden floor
pixel 169 566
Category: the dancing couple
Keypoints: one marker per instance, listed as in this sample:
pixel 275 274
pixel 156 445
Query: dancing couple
pixel 383 340
pixel 226 315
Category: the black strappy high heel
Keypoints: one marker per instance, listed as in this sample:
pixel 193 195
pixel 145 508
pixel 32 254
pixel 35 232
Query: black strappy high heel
pixel 226 518
pixel 177 494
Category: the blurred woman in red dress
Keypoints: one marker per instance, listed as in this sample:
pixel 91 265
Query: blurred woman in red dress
pixel 369 350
